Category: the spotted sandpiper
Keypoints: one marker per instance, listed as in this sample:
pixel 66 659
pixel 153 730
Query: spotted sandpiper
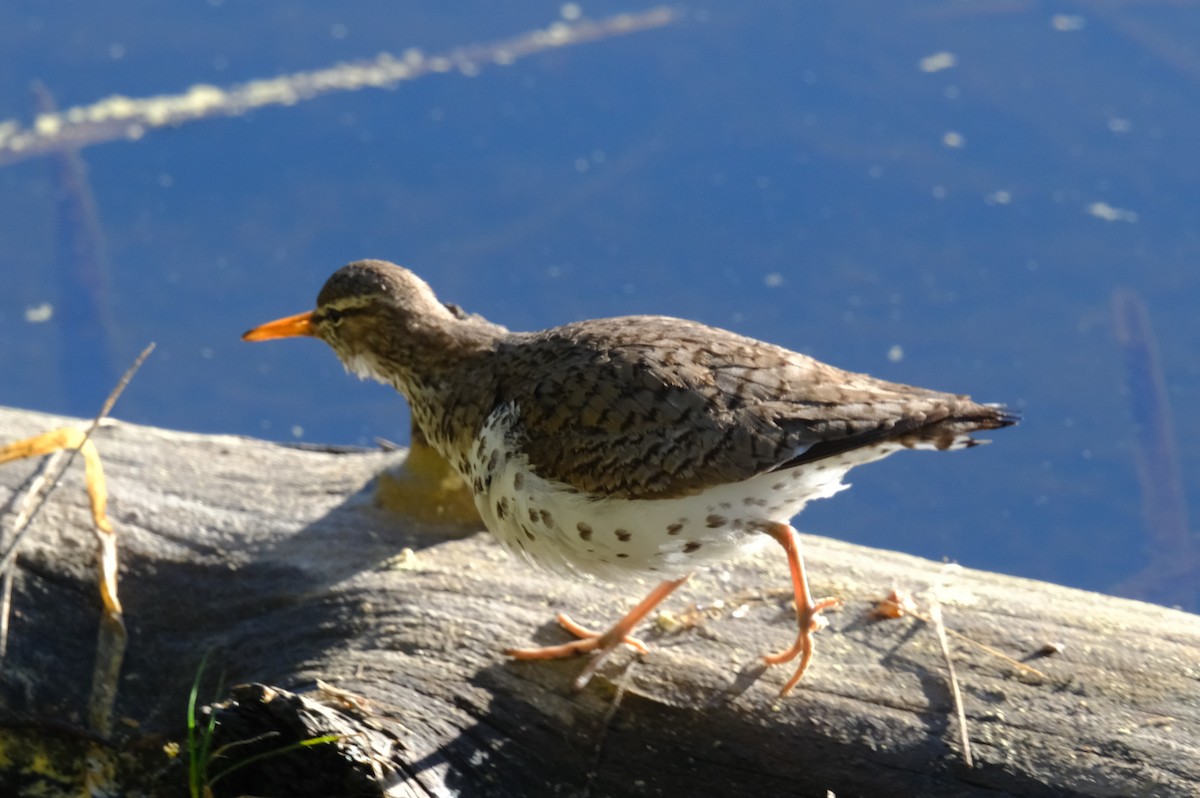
pixel 635 446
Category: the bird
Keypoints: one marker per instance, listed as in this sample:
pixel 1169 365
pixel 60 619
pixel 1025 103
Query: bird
pixel 639 446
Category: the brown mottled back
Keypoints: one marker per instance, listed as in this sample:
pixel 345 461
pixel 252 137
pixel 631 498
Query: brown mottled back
pixel 651 406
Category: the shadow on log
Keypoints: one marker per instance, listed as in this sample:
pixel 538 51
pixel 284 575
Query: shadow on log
pixel 276 560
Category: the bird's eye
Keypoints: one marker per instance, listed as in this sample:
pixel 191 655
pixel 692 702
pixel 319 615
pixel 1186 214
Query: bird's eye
pixel 333 316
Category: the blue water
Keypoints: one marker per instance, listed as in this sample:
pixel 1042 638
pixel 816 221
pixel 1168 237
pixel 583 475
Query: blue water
pixel 781 169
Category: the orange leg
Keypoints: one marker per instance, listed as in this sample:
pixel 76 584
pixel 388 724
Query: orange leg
pixel 602 644
pixel 808 612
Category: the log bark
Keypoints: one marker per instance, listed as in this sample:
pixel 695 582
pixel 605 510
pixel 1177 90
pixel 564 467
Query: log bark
pixel 277 561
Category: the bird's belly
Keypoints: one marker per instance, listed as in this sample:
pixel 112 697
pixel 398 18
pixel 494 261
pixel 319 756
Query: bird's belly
pixel 565 530
pixel 561 528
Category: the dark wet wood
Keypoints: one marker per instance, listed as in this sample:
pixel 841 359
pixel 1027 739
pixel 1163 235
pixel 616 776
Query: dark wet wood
pixel 277 560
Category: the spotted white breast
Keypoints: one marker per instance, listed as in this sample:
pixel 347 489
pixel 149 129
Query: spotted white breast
pixel 563 529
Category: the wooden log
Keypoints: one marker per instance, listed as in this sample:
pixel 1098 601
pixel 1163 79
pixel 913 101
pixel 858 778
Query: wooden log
pixel 276 559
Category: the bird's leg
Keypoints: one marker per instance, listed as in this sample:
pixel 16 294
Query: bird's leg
pixel 601 644
pixel 808 612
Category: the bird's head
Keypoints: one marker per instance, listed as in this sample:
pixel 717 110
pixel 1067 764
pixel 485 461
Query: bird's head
pixel 382 320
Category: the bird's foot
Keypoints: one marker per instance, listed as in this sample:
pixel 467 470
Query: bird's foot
pixel 810 620
pixel 808 612
pixel 598 644
pixel 589 640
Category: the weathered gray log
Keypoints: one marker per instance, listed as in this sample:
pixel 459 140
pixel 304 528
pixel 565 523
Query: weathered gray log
pixel 276 558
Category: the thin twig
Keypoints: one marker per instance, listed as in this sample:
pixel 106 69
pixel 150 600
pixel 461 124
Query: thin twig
pixel 1016 663
pixel 44 491
pixel 605 724
pixel 43 482
pixel 120 387
pixel 23 503
pixel 112 636
pixel 935 611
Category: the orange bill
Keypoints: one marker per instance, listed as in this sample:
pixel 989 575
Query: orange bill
pixel 300 324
